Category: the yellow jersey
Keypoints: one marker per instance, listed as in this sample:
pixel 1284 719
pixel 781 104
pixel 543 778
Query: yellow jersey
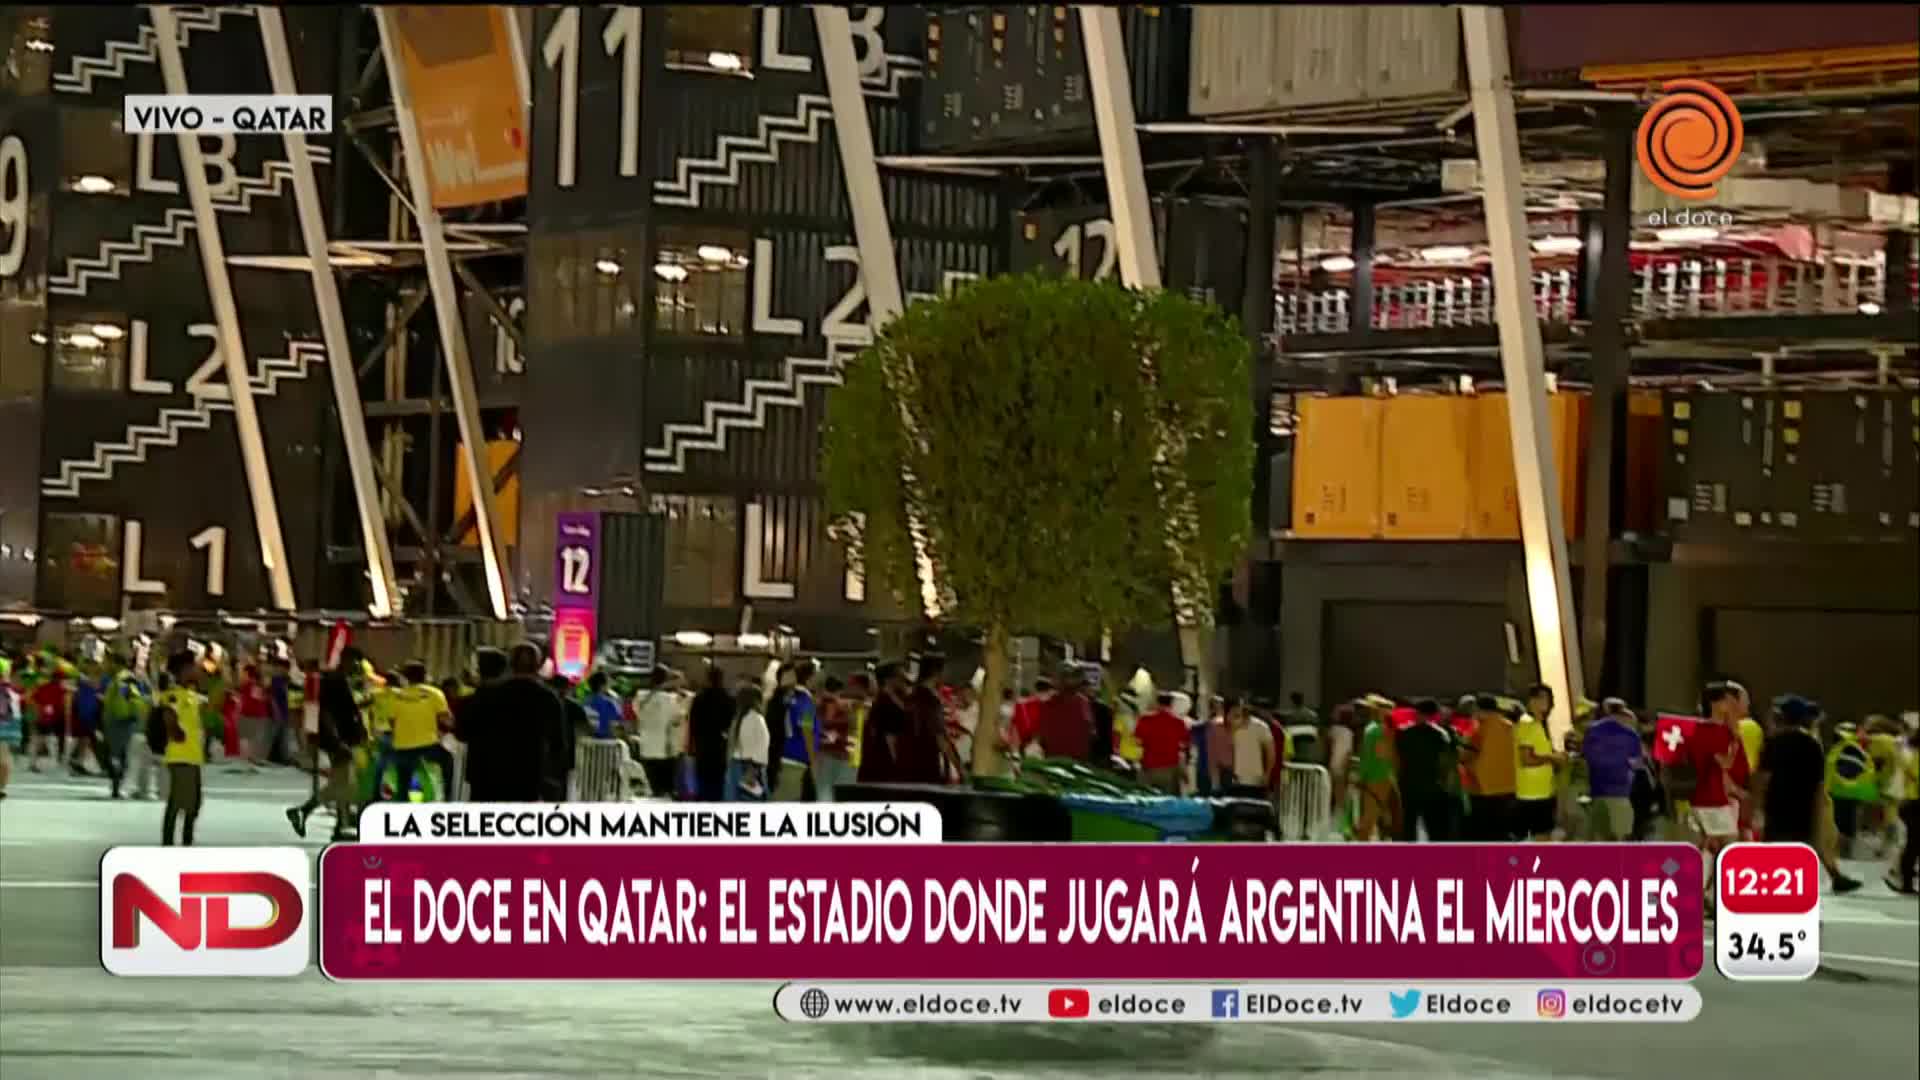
pixel 186 705
pixel 1753 738
pixel 415 712
pixel 1533 781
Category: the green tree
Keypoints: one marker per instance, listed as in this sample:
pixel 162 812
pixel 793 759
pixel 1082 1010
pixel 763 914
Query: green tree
pixel 1030 430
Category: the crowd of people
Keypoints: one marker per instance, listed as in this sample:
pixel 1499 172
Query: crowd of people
pixel 1487 769
pixel 1484 769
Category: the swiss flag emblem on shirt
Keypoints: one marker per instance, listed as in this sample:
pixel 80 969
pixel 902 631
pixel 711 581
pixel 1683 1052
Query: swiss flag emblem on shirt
pixel 1670 735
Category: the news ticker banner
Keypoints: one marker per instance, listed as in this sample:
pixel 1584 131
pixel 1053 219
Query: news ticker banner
pixel 1246 1003
pixel 663 891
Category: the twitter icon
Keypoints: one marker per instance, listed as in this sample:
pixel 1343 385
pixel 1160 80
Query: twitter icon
pixel 1403 1004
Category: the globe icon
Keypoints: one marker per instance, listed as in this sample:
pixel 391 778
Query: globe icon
pixel 813 1003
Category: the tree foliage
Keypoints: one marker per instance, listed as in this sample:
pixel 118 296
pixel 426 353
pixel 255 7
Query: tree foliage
pixel 1034 426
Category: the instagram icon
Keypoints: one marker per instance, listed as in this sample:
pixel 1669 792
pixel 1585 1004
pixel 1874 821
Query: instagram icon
pixel 1553 1004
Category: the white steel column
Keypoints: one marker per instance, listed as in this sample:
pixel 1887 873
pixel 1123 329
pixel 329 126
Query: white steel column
pixel 1523 361
pixel 233 349
pixel 333 327
pixel 446 310
pixel 871 232
pixel 1112 92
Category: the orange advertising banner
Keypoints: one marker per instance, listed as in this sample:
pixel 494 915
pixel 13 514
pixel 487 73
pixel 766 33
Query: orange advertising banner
pixel 466 97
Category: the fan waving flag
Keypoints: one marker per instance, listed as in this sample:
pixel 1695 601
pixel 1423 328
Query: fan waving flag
pixel 1670 736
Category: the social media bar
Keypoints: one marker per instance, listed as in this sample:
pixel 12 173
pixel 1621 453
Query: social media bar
pixel 1270 1003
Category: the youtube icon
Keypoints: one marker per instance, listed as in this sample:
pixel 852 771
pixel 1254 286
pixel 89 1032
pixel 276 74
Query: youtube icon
pixel 1069 1004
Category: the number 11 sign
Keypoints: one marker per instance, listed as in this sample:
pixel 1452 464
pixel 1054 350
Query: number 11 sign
pixel 1768 924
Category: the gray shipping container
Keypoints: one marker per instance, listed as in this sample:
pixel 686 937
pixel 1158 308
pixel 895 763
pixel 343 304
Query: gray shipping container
pixel 1262 59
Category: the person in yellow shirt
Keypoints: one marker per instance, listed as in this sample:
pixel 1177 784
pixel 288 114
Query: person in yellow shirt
pixel 180 708
pixel 1533 781
pixel 418 711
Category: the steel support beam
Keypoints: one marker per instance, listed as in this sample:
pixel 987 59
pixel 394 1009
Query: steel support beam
pixel 1522 360
pixel 333 328
pixel 446 309
pixel 872 234
pixel 1606 282
pixel 1112 97
pixel 233 349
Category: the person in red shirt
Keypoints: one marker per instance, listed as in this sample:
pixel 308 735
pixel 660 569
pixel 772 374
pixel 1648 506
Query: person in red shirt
pixel 256 713
pixel 1162 736
pixel 1026 712
pixel 1066 724
pixel 1720 768
pixel 52 705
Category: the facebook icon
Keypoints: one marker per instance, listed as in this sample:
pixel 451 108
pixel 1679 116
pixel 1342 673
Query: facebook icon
pixel 1226 1004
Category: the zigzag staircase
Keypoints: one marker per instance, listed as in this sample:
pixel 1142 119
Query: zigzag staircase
pixel 750 414
pixel 172 232
pixel 731 152
pixel 113 65
pixel 173 422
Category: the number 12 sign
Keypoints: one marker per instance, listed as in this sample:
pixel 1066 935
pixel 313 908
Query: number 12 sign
pixel 1768 924
pixel 576 589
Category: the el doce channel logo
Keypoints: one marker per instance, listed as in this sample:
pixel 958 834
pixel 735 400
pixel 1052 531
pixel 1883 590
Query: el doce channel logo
pixel 1689 139
pixel 205 911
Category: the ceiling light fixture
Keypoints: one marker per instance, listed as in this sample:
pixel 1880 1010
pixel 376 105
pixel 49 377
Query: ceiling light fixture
pixel 107 331
pixel 608 267
pixel 1447 253
pixel 1338 264
pixel 93 184
pixel 1869 308
pixel 693 639
pixel 669 272
pixel 725 61
pixel 84 341
pixel 714 253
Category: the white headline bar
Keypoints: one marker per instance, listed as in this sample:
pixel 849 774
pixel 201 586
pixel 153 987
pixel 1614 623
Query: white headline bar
pixel 226 114
pixel 649 823
pixel 1243 1003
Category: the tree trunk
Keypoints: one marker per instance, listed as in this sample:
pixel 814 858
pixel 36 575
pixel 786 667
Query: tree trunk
pixel 988 760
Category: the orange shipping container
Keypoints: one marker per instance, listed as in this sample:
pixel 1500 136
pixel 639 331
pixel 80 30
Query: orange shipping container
pixel 506 498
pixel 1425 484
pixel 1336 468
pixel 1495 499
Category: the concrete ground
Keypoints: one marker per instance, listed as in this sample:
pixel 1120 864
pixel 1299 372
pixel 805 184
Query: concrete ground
pixel 62 1016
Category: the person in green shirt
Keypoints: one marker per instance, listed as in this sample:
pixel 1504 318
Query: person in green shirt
pixel 1373 771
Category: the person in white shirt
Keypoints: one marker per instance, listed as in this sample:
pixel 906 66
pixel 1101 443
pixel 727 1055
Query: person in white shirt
pixel 654 712
pixel 1252 749
pixel 747 779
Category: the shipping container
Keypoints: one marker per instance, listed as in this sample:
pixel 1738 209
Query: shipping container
pixel 506 494
pixel 1201 245
pixel 1336 468
pixel 103 53
pixel 633 554
pixel 1267 59
pixel 743 411
pixel 1495 496
pixel 1557 39
pixel 1424 476
pixel 1002 78
pixel 1714 473
pixel 1646 428
pixel 19 499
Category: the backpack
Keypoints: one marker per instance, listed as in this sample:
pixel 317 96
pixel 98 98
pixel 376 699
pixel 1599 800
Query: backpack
pixel 160 722
pixel 125 701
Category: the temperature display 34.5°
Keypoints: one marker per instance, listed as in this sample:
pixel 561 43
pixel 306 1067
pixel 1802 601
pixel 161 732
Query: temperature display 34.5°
pixel 1768 923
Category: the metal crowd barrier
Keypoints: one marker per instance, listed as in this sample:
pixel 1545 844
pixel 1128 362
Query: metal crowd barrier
pixel 1306 803
pixel 600 768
